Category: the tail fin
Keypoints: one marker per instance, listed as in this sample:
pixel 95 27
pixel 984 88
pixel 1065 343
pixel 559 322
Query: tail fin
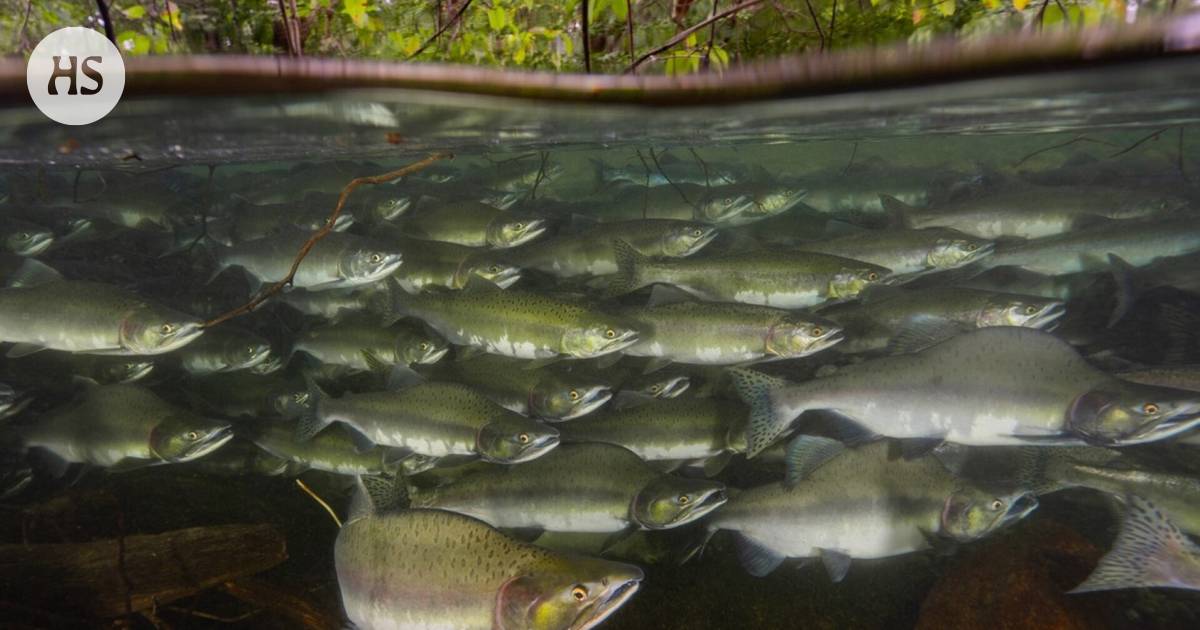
pixel 756 390
pixel 389 304
pixel 598 169
pixel 310 423
pixel 1150 551
pixel 898 210
pixel 1128 289
pixel 629 265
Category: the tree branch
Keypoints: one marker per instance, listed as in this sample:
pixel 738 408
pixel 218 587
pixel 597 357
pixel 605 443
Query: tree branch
pixel 108 25
pixel 816 22
pixel 682 35
pixel 451 22
pixel 587 44
pixel 276 287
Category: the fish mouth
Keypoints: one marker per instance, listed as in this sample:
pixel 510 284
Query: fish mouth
pixel 1022 507
pixel 75 227
pixel 536 448
pixel 38 243
pixel 1179 423
pixel 589 402
pixel 823 343
pixel 261 353
pixel 139 372
pixel 212 442
pixel 710 233
pixel 1047 317
pixel 595 614
pixel 533 229
pixel 618 343
pixel 343 222
pixel 434 356
pixel 186 334
pixel 674 387
pixel 506 277
pixel 13 404
pixel 709 502
pixel 389 264
pixel 741 205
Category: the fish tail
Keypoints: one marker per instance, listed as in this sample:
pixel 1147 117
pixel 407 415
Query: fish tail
pixel 598 170
pixel 1127 290
pixel 391 304
pixel 766 423
pixel 309 423
pixel 897 211
pixel 1150 551
pixel 630 263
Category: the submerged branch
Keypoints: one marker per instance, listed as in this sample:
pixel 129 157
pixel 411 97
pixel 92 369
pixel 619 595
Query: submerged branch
pixel 276 287
pixel 683 35
pixel 1059 146
pixel 1153 136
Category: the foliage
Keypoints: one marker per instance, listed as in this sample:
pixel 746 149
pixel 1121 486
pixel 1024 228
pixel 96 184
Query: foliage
pixel 547 34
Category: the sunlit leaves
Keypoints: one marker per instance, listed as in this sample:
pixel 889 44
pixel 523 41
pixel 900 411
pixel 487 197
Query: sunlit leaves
pixel 356 10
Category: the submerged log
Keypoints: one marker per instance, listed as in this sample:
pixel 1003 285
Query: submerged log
pixel 108 578
pixel 298 611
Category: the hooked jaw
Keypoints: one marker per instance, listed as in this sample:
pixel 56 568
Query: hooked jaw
pixel 628 583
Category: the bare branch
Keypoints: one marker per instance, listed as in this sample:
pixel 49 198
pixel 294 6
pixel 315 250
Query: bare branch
pixel 451 22
pixel 276 287
pixel 682 35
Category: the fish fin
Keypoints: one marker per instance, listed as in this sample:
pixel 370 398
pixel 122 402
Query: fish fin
pixel 922 332
pixel 878 293
pixel 32 273
pixel 1090 221
pixel 361 442
pixel 1149 551
pixel 23 350
pixel 807 453
pixel 523 534
pixel 629 263
pixel 51 462
pixel 1125 278
pixel 606 361
pixel 480 284
pixel 757 559
pixel 534 364
pixel 692 546
pixel 667 294
pixel 914 448
pixel 466 353
pixel 598 170
pixel 308 424
pixel 626 399
pixel 1181 329
pixel 667 465
pixel 765 426
pixel 942 546
pixel 655 364
pixel 512 607
pixel 396 376
pixel 375 495
pixel 844 429
pixel 132 463
pixel 617 537
pixel 388 304
pixel 897 210
pixel 837 564
pixel 952 456
pixel 412 463
pixel 714 465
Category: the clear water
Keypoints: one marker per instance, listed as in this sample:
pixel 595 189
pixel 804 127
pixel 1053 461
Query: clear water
pixel 1125 131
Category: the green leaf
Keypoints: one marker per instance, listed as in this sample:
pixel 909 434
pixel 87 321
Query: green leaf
pixel 135 12
pixel 620 9
pixel 356 10
pixel 497 17
pixel 945 7
pixel 133 43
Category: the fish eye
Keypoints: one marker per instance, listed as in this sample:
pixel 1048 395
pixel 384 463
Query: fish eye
pixel 697 232
pixel 166 329
pixel 192 436
pixel 1150 408
pixel 729 201
pixel 375 258
pixel 24 236
pixel 872 276
pixel 654 388
pixel 494 269
pixel 997 504
pixel 972 247
pixel 424 345
pixel 523 438
pixel 579 593
pixel 683 499
pixel 574 395
pixel 519 225
pixel 1030 310
pixel 817 331
pixel 251 350
pixel 610 333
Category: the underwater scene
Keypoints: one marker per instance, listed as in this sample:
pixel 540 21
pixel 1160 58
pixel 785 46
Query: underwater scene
pixel 925 357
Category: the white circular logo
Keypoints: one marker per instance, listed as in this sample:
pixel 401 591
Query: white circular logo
pixel 75 76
